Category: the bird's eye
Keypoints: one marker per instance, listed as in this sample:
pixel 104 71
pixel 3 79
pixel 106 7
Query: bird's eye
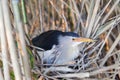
pixel 73 39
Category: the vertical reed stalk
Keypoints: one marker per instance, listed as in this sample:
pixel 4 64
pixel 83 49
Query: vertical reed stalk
pixel 11 43
pixel 22 43
pixel 4 47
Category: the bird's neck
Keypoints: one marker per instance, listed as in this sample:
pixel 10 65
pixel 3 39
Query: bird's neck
pixel 68 53
pixel 73 51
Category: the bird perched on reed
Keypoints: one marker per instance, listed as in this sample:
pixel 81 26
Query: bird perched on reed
pixel 60 47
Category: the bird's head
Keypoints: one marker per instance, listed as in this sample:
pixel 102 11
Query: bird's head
pixel 73 40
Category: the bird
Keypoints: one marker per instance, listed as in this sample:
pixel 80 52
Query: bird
pixel 59 47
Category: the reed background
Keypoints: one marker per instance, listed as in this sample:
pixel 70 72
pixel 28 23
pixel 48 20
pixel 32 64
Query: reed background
pixel 21 20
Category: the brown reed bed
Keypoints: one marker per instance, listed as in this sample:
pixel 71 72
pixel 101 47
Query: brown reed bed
pixel 23 20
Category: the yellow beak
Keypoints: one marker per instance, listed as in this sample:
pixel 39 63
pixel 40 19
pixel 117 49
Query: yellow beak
pixel 83 40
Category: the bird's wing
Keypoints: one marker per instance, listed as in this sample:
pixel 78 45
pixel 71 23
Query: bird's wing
pixel 51 56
